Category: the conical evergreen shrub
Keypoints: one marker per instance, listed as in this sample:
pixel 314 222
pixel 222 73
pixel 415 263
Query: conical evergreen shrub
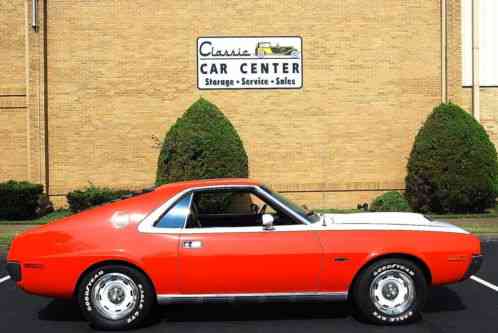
pixel 201 144
pixel 452 165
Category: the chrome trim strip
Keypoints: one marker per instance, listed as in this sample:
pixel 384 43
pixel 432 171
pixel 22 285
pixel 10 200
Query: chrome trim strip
pixel 189 205
pixel 147 224
pixel 226 230
pixel 296 296
pixel 269 197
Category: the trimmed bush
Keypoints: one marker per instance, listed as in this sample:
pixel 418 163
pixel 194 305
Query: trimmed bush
pixel 202 144
pixel 392 201
pixel 79 200
pixel 19 200
pixel 453 164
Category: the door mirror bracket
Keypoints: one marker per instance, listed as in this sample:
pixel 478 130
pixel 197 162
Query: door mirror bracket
pixel 267 221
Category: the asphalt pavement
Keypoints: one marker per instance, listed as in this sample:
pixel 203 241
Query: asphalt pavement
pixel 464 307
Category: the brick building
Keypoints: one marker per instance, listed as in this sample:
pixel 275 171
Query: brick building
pixel 85 84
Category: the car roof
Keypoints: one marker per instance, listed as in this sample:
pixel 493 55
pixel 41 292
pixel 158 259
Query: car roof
pixel 178 186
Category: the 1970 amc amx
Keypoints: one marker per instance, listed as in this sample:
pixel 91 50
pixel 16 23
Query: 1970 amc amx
pixel 236 239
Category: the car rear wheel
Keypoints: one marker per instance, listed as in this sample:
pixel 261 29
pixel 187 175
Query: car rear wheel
pixel 115 297
pixel 390 292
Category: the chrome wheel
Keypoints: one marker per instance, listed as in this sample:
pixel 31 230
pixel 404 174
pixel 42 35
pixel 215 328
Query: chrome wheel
pixel 114 295
pixel 392 292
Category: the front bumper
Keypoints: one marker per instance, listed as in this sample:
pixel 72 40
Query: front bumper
pixel 474 266
pixel 14 270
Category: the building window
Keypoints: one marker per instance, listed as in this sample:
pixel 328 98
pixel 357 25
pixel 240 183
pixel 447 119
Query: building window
pixel 488 64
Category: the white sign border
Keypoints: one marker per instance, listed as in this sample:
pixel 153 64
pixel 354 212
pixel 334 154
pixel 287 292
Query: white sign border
pixel 257 88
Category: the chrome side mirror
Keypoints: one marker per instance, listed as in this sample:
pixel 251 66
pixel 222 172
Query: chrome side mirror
pixel 267 220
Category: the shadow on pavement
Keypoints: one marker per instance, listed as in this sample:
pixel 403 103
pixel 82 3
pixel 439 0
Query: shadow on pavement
pixel 443 299
pixel 64 310
pixel 61 310
pixel 253 311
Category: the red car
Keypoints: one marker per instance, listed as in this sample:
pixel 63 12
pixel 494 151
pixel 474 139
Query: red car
pixel 236 239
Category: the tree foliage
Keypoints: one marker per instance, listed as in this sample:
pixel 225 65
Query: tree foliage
pixel 391 201
pixel 452 165
pixel 201 144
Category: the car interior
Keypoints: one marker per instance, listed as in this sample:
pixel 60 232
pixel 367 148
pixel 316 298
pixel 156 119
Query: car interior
pixel 210 209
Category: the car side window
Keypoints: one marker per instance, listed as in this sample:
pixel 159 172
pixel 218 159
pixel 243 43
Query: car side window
pixel 177 215
pixel 232 208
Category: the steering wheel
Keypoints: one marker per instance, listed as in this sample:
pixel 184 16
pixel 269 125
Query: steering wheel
pixel 254 208
pixel 262 210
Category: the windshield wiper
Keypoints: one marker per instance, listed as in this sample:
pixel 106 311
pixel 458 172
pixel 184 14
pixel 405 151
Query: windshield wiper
pixel 309 212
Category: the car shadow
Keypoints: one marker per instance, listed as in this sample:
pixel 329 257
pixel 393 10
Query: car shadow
pixel 443 299
pixel 253 311
pixel 61 310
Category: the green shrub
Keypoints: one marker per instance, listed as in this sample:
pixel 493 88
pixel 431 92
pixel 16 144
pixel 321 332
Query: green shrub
pixel 453 164
pixel 392 201
pixel 202 144
pixel 79 200
pixel 19 200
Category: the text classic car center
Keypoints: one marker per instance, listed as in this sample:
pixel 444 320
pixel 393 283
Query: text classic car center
pixel 249 63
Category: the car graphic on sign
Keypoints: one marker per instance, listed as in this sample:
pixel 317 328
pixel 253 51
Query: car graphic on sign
pixel 266 49
pixel 171 244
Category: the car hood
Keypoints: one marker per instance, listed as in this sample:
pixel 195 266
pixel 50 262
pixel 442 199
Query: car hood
pixel 387 221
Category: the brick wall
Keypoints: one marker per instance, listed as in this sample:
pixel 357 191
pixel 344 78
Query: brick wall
pixel 120 71
pixel 13 127
pixel 12 59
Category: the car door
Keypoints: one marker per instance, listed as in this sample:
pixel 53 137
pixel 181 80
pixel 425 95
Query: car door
pixel 249 259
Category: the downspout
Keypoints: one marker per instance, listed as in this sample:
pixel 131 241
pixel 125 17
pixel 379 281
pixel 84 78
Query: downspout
pixel 34 14
pixel 444 53
pixel 45 97
pixel 475 60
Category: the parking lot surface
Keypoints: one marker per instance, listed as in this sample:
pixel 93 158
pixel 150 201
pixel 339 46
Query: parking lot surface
pixel 465 307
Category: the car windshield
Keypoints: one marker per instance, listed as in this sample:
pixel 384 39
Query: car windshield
pixel 302 211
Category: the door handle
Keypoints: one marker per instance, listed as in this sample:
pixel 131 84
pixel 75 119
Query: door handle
pixel 192 244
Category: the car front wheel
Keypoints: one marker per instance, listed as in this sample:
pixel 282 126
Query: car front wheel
pixel 115 297
pixel 390 292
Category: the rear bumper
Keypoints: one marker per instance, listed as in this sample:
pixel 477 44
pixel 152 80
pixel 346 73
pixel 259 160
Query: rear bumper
pixel 474 266
pixel 14 270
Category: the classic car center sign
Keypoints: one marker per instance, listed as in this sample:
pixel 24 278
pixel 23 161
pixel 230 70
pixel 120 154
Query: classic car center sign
pixel 249 63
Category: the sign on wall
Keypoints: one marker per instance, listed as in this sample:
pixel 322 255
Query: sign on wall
pixel 249 63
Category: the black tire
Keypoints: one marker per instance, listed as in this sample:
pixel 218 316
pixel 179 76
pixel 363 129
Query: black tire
pixel 142 303
pixel 369 306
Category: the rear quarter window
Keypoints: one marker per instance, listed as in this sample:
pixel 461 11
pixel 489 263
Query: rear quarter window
pixel 176 216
